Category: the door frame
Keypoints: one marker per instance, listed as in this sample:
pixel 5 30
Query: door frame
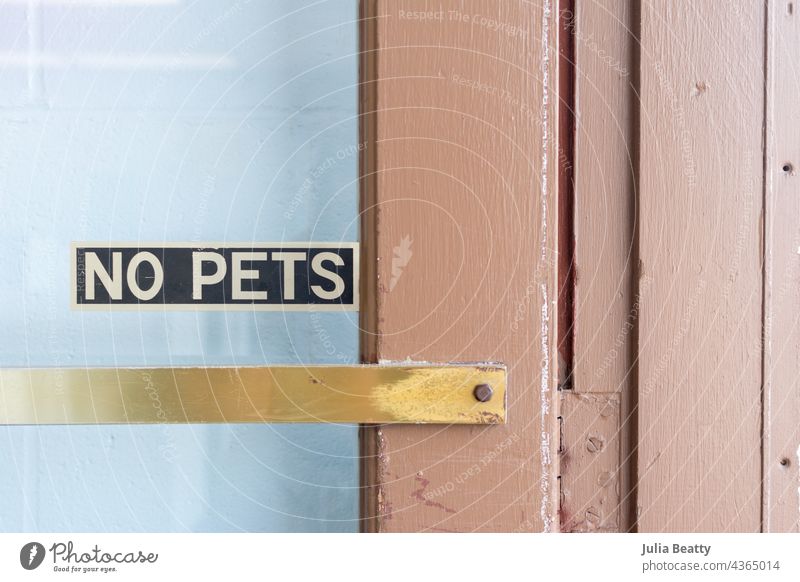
pixel 458 111
pixel 621 417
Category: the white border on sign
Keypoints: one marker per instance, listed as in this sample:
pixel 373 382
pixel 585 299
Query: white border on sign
pixel 74 305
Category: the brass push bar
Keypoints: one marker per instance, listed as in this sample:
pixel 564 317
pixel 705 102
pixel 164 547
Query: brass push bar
pixel 451 394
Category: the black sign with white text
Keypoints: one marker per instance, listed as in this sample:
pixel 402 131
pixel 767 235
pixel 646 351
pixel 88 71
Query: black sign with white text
pixel 198 276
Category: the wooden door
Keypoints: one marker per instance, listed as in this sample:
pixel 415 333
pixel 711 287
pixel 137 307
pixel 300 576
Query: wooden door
pixel 603 196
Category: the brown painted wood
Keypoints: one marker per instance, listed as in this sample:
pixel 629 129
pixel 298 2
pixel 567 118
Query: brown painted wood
pixel 566 192
pixel 605 161
pixel 368 313
pixel 464 215
pixel 590 462
pixel 605 198
pixel 676 274
pixel 701 186
pixel 781 505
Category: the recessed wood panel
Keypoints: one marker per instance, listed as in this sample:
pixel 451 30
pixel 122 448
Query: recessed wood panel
pixel 606 250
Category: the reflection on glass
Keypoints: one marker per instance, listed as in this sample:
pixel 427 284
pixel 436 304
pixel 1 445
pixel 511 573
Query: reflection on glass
pixel 169 120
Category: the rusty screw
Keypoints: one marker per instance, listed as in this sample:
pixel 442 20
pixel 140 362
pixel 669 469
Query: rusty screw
pixel 483 393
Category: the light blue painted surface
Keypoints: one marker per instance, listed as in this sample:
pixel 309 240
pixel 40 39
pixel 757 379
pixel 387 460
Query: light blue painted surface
pixel 192 120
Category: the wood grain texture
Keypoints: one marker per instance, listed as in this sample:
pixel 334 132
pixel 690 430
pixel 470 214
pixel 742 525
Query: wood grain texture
pixel 701 185
pixel 464 214
pixel 606 310
pixel 781 506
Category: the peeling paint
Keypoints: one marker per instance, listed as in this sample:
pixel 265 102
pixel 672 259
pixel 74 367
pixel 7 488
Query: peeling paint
pixel 383 506
pixel 546 516
pixel 511 484
pixel 442 393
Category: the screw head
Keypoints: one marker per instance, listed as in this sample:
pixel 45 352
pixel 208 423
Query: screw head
pixel 594 444
pixel 483 393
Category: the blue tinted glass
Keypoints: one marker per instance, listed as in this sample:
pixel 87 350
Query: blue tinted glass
pixel 173 120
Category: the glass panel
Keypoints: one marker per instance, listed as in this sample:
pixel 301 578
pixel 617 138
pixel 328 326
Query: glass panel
pixel 173 121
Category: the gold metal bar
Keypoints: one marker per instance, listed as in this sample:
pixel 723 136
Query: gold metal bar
pixel 341 394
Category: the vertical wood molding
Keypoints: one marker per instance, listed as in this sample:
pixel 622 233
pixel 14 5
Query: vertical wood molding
pixel 701 184
pixel 368 312
pixel 604 194
pixel 462 216
pixel 781 504
pixel 606 309
pixel 566 191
